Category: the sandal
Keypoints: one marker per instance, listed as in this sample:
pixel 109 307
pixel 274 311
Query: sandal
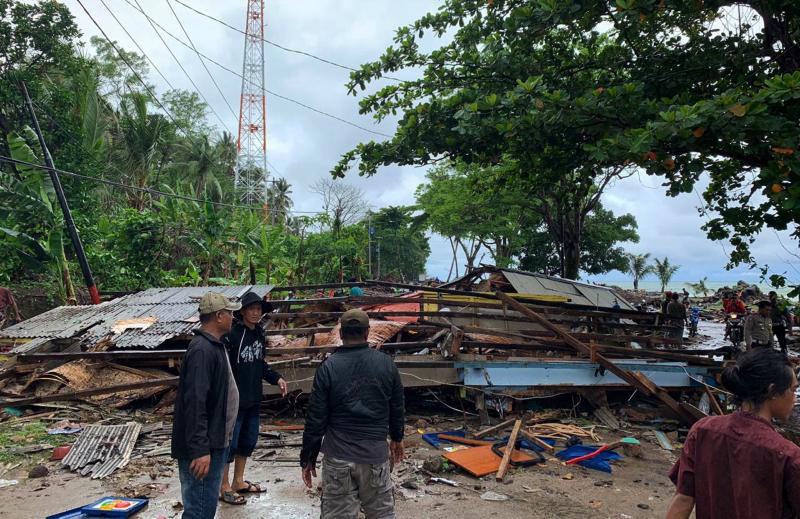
pixel 251 488
pixel 232 498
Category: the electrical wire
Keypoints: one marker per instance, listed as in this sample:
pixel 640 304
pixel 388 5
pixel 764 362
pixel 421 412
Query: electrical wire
pixel 121 185
pixel 263 88
pixel 180 65
pixel 122 57
pixel 153 63
pixel 276 45
pixel 213 80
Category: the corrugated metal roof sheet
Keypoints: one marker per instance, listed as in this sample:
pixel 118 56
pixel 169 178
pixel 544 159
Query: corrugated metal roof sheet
pixel 579 293
pixel 174 311
pixel 102 449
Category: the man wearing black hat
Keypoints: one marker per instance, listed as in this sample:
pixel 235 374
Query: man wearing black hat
pixel 356 402
pixel 758 327
pixel 246 347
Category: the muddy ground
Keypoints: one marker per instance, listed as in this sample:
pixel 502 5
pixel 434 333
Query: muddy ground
pixel 637 488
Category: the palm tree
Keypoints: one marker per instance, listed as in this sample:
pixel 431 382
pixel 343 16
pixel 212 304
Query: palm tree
pixel 638 267
pixel 140 136
pixel 201 160
pixel 280 201
pixel 226 152
pixel 699 287
pixel 664 270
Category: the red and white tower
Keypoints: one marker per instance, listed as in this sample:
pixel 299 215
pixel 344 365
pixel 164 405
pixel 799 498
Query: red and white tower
pixel 251 143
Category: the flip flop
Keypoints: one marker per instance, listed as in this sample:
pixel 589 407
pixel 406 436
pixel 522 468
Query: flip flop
pixel 250 486
pixel 232 498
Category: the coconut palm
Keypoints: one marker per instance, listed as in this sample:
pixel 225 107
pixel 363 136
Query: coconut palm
pixel 140 136
pixel 699 287
pixel 638 267
pixel 280 201
pixel 665 270
pixel 201 161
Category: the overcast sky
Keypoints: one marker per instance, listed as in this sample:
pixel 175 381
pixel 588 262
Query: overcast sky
pixel 303 145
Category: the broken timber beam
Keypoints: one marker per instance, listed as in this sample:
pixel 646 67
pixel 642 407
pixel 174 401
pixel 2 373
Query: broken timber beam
pixel 541 443
pixel 493 429
pixel 512 441
pixel 59 397
pixel 637 380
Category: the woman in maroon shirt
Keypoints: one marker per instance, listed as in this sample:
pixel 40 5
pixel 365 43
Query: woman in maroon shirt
pixel 738 466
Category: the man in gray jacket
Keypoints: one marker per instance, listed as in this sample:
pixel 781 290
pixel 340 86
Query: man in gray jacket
pixel 205 409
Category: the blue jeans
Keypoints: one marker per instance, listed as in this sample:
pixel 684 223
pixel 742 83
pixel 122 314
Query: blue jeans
pixel 245 433
pixel 200 497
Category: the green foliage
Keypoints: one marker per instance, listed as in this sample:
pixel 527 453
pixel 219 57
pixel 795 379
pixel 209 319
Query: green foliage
pixel 571 89
pixel 599 252
pixel 100 122
pixel 700 287
pixel 403 245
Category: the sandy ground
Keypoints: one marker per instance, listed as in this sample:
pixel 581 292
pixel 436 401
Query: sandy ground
pixel 638 488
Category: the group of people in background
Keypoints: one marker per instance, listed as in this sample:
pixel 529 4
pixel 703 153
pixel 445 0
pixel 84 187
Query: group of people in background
pixel 772 319
pixel 356 403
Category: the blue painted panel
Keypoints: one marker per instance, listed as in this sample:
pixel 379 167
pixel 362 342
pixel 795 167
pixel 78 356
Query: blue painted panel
pixel 578 373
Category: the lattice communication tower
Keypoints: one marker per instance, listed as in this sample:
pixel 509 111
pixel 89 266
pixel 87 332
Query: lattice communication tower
pixel 251 143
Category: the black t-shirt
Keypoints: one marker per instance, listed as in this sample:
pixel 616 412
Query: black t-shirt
pixel 246 353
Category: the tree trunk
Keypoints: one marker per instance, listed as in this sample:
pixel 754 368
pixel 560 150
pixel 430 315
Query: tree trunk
pixel 66 278
pixel 572 258
pixel 252 272
pixel 636 283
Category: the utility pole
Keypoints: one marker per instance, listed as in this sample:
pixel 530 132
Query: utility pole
pixel 369 242
pixel 378 252
pixel 62 201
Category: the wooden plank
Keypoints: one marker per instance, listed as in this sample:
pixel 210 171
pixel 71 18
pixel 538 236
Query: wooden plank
pixel 389 346
pixel 298 331
pixel 541 443
pixel 494 428
pixel 462 440
pixel 101 355
pixel 714 402
pixel 512 441
pixel 170 381
pixel 639 381
pixel 467 315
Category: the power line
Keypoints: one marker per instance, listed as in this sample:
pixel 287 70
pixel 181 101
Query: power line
pixel 137 45
pixel 187 74
pixel 113 183
pixel 213 80
pixel 122 57
pixel 280 96
pixel 287 49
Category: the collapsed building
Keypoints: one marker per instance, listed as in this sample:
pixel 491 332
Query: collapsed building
pixel 497 337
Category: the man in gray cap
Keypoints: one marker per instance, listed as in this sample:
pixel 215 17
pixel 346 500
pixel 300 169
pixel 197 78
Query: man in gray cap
pixel 205 409
pixel 356 402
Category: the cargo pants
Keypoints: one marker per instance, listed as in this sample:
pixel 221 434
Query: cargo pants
pixel 348 487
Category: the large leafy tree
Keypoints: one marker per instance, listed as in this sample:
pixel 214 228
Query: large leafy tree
pixel 681 89
pixel 599 249
pixel 403 245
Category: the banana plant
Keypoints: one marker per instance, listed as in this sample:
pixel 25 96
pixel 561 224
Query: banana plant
pixel 35 225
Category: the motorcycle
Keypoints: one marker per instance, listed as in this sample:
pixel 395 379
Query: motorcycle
pixel 734 329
